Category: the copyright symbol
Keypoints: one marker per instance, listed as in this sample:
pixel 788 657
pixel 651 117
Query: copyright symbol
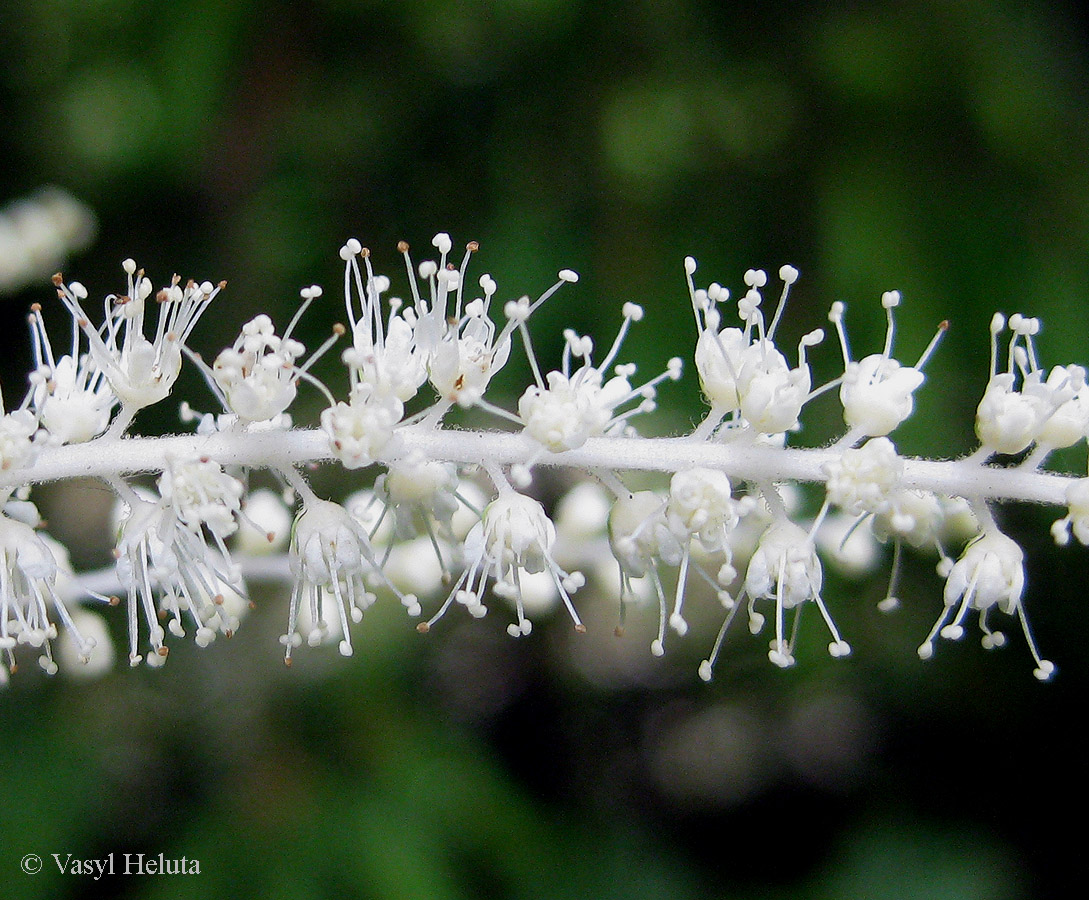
pixel 31 864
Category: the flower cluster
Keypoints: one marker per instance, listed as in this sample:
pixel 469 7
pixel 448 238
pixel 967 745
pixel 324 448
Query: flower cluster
pixel 451 520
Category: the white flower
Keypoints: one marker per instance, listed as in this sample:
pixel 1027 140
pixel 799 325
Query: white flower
pixel 361 430
pixel 165 563
pixel 331 555
pixel 259 375
pixel 701 506
pixel 1050 412
pixel 1077 518
pixel 17 432
pixel 785 568
pixel 1066 393
pixel 419 491
pixel 140 371
pixel 990 574
pixel 29 573
pixel 640 539
pixel 862 479
pixel 514 536
pixel 384 356
pixel 909 515
pixel 465 352
pixel 877 391
pixel 71 395
pixel 566 408
pixel 742 372
pixel 202 494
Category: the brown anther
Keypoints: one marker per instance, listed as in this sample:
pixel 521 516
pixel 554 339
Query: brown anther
pixel 58 280
pixel 222 285
pixel 228 634
pixel 162 296
pixel 218 599
pixel 450 267
pixel 580 628
pixel 619 631
pixel 122 300
pixel 13 668
pixel 206 459
pixel 472 246
pixel 402 247
pixel 423 628
pixel 170 336
pixel 82 323
pixel 35 307
pixel 339 330
pixel 162 614
pixel 943 325
pixel 270 536
pixel 365 252
pixel 287 661
pixel 253 605
pixel 115 601
pixel 163 652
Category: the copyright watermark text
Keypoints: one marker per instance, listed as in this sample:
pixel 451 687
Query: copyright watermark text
pixel 112 864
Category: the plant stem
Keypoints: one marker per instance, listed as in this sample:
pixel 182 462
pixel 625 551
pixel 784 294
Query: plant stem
pixel 108 457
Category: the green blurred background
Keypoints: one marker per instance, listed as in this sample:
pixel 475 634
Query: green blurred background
pixel 935 147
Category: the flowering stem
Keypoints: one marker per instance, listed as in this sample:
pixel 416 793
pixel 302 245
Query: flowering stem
pixel 108 457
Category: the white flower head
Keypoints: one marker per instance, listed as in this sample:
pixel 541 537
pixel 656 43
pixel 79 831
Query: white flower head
pixel 332 559
pixel 515 536
pixel 785 568
pixel 29 573
pixel 385 355
pixel 419 490
pixel 18 433
pixel 141 370
pixel 909 515
pixel 877 391
pixel 463 348
pixel 258 376
pixel 362 429
pixel 1019 407
pixel 167 566
pixel 701 506
pixel 567 407
pixel 72 397
pixel 741 371
pixel 1076 520
pixel 640 540
pixel 990 574
pixel 1066 393
pixel 202 495
pixel 863 479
